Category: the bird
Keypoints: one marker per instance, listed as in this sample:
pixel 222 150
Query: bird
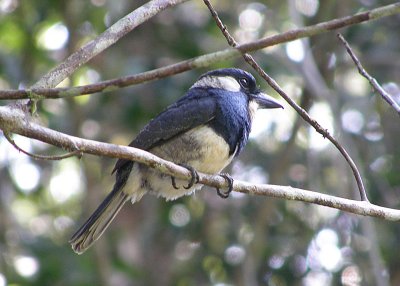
pixel 202 131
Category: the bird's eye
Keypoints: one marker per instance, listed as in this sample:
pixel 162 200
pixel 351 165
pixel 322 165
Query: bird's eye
pixel 244 82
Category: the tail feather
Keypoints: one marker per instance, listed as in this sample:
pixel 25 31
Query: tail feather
pixel 98 222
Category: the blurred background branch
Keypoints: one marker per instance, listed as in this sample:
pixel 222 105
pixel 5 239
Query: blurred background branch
pixel 122 27
pixel 374 83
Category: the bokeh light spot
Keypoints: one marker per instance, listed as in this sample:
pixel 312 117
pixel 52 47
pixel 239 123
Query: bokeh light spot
pixel 235 254
pixel 26 175
pixel 351 276
pixel 250 19
pixel 276 261
pixel 26 266
pixel 67 180
pixel 54 37
pixel 352 121
pixel 327 236
pixel 295 50
pixel 307 7
pixel 179 215
pixel 317 278
pixel 324 255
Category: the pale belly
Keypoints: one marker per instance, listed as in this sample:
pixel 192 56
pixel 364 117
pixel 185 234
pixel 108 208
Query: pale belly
pixel 199 148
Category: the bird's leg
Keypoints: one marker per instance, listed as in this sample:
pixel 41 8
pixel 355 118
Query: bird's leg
pixel 194 180
pixel 229 180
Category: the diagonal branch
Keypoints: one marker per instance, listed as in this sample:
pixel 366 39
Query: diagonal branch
pixel 13 120
pixel 40 91
pixel 373 82
pixel 324 132
pixel 103 41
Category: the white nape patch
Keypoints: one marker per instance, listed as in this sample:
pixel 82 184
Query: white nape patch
pixel 223 82
pixel 229 83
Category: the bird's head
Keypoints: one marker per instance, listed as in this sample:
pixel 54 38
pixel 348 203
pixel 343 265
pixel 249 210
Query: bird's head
pixel 237 80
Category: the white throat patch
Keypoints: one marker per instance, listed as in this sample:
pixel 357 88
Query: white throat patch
pixel 222 82
pixel 253 107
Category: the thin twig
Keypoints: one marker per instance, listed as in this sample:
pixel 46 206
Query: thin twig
pixel 324 132
pixel 14 120
pixel 40 92
pixel 42 157
pixel 374 83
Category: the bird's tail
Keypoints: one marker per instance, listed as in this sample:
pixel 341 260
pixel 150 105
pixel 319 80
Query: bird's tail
pixel 98 222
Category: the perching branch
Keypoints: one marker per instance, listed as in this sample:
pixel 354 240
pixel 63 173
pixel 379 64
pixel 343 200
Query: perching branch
pixel 324 132
pixel 374 83
pixel 82 56
pixel 13 120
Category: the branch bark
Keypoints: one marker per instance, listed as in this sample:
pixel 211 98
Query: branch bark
pixel 13 120
pixel 39 90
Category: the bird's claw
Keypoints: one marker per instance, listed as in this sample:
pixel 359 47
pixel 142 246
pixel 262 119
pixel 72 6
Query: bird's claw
pixel 229 180
pixel 195 176
pixel 174 183
pixel 194 179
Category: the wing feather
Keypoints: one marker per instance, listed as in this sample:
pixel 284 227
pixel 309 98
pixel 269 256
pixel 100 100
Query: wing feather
pixel 192 110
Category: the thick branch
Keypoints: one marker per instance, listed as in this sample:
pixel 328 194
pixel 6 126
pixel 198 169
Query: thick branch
pixel 14 120
pixel 201 61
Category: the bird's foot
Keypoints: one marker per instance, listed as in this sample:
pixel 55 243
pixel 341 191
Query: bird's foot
pixel 229 180
pixel 194 180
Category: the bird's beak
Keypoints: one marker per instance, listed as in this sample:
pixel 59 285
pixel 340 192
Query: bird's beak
pixel 265 101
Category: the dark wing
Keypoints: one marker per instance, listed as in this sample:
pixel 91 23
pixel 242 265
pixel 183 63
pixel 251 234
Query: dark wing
pixel 194 109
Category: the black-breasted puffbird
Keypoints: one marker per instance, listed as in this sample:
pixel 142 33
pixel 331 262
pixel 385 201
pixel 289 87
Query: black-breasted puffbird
pixel 204 130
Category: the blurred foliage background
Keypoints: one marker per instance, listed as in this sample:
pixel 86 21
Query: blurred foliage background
pixel 203 239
